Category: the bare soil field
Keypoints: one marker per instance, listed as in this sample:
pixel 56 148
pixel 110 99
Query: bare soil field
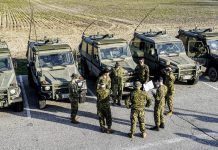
pixel 66 19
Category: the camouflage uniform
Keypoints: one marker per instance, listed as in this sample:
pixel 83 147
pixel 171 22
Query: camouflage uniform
pixel 159 105
pixel 117 83
pixel 106 80
pixel 137 100
pixel 169 82
pixel 103 107
pixel 142 73
pixel 74 99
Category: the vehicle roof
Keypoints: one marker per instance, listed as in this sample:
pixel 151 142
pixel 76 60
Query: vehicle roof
pixel 200 33
pixel 47 45
pixel 102 39
pixel 4 47
pixel 156 37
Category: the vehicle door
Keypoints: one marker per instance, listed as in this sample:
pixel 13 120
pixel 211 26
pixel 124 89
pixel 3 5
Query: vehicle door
pixel 95 62
pixel 197 51
pixel 89 57
pixel 136 48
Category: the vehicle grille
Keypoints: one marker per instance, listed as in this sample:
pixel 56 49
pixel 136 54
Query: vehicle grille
pixel 3 94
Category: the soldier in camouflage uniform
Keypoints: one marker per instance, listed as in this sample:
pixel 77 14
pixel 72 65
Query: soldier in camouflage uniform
pixel 142 72
pixel 159 105
pixel 169 82
pixel 105 77
pixel 117 75
pixel 103 107
pixel 74 98
pixel 137 103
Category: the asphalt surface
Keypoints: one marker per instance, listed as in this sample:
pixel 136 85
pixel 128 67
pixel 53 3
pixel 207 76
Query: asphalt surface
pixel 193 126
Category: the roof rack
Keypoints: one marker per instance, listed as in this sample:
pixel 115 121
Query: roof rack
pixel 47 41
pixel 196 30
pixel 153 33
pixel 100 37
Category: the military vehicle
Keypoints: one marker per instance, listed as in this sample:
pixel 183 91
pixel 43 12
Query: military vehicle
pixel 10 93
pixel 101 51
pixel 202 46
pixel 50 66
pixel 159 49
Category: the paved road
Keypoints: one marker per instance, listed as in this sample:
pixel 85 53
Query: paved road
pixel 194 125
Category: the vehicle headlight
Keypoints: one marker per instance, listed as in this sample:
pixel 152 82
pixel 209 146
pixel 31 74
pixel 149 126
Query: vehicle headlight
pixel 12 91
pixel 47 88
pixel 80 84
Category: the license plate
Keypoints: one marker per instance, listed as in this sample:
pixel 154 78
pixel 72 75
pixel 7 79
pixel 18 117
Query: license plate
pixel 65 95
pixel 128 84
pixel 187 77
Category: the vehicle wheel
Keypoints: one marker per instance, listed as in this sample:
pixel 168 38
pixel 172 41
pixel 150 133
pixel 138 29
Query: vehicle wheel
pixel 193 81
pixel 30 79
pixel 18 107
pixel 213 74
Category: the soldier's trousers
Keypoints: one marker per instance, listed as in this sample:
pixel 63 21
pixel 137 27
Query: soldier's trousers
pixel 74 109
pixel 117 92
pixel 158 115
pixel 104 115
pixel 170 100
pixel 140 116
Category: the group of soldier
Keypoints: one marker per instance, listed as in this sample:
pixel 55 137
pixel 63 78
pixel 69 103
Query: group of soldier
pixel 110 86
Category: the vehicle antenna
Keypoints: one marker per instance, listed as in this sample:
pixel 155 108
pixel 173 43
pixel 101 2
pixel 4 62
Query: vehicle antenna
pixel 32 21
pixel 88 26
pixel 146 16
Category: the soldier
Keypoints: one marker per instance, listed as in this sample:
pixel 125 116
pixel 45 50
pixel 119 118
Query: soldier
pixel 142 72
pixel 159 104
pixel 74 98
pixel 117 83
pixel 137 100
pixel 103 107
pixel 105 78
pixel 169 82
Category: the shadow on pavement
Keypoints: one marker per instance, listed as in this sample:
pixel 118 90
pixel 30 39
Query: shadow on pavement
pixel 208 142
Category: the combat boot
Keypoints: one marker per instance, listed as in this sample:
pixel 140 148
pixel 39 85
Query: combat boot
pixel 103 129
pixel 170 113
pixel 109 130
pixel 144 135
pixel 162 125
pixel 155 128
pixel 74 120
pixel 130 135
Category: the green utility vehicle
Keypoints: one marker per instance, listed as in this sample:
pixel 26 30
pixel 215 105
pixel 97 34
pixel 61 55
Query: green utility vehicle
pixel 10 92
pixel 202 46
pixel 50 66
pixel 159 49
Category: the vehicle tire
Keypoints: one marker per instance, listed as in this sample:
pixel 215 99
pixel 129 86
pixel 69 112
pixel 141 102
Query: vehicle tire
pixel 30 79
pixel 18 107
pixel 213 74
pixel 193 81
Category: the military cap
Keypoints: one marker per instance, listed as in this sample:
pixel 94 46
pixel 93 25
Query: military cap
pixel 138 84
pixel 74 75
pixel 117 64
pixel 106 70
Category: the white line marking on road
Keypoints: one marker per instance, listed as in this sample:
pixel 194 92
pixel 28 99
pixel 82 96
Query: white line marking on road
pixel 167 141
pixel 25 98
pixel 210 86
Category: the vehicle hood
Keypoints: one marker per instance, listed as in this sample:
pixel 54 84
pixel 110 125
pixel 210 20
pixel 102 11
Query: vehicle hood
pixel 127 64
pixel 6 79
pixel 181 60
pixel 59 76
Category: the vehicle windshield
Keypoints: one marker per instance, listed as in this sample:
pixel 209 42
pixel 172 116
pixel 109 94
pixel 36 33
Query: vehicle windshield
pixel 115 52
pixel 168 48
pixel 213 45
pixel 55 59
pixel 5 64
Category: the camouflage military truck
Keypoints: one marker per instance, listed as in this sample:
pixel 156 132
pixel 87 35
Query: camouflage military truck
pixel 50 66
pixel 10 93
pixel 202 46
pixel 159 49
pixel 101 51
